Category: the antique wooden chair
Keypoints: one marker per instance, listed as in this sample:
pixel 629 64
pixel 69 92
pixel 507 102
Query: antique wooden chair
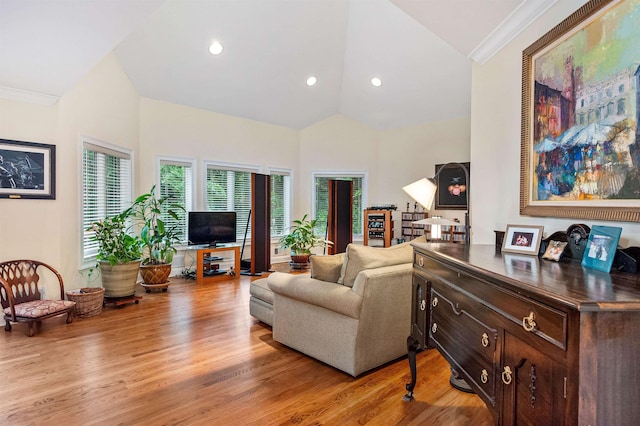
pixel 20 296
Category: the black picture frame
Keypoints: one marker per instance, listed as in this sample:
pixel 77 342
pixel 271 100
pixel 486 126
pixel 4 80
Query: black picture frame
pixel 452 175
pixel 27 170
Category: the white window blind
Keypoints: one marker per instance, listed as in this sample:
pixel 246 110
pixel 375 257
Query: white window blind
pixel 106 189
pixel 280 203
pixel 229 189
pixel 321 197
pixel 176 183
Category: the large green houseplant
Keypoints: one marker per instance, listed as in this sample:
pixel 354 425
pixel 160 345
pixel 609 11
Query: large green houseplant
pixel 119 254
pixel 301 239
pixel 157 238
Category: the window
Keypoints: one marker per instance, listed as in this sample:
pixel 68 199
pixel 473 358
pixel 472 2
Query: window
pixel 280 203
pixel 106 188
pixel 176 178
pixel 228 188
pixel 321 199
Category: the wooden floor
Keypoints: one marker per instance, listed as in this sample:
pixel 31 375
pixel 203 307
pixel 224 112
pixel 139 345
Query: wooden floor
pixel 194 356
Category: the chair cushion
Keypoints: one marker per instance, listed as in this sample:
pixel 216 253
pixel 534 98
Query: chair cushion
pixel 358 258
pixel 260 290
pixel 327 268
pixel 40 308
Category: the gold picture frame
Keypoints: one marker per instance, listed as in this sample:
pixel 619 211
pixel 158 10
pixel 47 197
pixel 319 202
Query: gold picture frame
pixel 571 121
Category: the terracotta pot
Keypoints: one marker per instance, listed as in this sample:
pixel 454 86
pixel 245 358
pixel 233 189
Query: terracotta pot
pixel 155 274
pixel 120 279
pixel 300 258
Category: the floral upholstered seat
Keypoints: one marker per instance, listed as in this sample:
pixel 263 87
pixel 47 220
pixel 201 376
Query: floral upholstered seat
pixel 21 298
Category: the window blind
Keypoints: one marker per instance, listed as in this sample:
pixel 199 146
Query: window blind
pixel 230 190
pixel 106 190
pixel 280 203
pixel 176 184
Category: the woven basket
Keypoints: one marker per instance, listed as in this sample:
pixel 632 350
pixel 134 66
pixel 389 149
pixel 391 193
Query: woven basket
pixel 88 301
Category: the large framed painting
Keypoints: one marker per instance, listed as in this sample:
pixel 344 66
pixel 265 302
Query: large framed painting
pixel 580 148
pixel 452 186
pixel 27 170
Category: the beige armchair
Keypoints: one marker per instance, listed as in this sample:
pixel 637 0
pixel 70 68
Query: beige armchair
pixel 355 323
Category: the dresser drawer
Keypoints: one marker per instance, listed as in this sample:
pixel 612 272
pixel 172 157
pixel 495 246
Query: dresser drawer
pixel 542 320
pixel 464 338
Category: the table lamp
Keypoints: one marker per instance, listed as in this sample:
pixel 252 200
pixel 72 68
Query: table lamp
pixel 424 192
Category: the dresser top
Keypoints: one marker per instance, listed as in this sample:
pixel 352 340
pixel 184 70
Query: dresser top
pixel 565 282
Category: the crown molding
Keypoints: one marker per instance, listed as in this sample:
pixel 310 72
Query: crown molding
pixel 525 14
pixel 27 96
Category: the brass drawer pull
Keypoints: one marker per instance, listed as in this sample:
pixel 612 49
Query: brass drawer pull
pixel 434 302
pixel 506 375
pixel 529 323
pixel 484 377
pixel 434 328
pixel 420 262
pixel 485 340
pixel 423 305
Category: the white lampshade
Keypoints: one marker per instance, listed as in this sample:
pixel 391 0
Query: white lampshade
pixel 436 221
pixel 423 191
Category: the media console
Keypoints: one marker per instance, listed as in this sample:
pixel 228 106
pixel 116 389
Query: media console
pixel 207 258
pixel 540 342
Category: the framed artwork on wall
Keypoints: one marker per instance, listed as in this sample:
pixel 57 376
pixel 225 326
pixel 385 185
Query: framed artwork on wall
pixel 580 151
pixel 523 239
pixel 27 170
pixel 452 187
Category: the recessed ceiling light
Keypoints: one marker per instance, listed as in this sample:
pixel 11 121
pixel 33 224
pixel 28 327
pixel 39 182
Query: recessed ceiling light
pixel 215 48
pixel 376 81
pixel 312 80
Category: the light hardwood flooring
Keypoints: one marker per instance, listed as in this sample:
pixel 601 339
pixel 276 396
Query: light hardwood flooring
pixel 194 356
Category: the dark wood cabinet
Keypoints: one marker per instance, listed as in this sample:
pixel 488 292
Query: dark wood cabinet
pixel 541 342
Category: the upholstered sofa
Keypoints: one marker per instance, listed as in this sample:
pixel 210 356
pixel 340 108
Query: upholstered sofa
pixel 352 312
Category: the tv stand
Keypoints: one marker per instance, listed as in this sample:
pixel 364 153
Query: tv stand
pixel 206 257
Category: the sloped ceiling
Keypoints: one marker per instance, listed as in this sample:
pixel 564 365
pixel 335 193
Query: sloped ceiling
pixel 421 50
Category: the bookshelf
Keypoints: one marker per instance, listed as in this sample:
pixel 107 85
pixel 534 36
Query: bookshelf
pixel 409 230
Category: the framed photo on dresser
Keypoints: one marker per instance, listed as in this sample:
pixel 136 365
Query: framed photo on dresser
pixel 523 239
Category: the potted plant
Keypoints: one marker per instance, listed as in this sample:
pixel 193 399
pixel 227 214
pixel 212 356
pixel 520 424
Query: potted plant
pixel 119 255
pixel 301 239
pixel 158 240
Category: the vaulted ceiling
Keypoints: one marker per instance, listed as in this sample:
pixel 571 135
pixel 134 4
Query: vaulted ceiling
pixel 422 50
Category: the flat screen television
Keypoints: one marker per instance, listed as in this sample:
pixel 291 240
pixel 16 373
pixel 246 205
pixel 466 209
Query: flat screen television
pixel 212 228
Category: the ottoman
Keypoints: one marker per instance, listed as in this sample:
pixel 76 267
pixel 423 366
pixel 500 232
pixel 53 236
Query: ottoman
pixel 261 301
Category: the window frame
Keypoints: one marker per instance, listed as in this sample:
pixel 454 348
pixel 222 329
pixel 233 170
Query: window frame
pixel 109 149
pixel 288 216
pixel 184 162
pixel 357 235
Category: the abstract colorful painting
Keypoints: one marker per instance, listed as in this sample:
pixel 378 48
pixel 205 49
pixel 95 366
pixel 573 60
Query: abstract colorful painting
pixel 583 106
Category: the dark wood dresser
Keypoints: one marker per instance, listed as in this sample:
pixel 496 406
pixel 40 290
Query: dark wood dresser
pixel 541 342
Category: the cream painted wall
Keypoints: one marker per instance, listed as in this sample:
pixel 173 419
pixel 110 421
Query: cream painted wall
pixel 411 153
pixel 178 131
pixel 495 139
pixel 30 228
pixel 337 144
pixel 104 105
pixel 391 158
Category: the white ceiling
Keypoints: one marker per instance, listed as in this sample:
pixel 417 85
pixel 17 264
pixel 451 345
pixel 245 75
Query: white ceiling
pixel 421 49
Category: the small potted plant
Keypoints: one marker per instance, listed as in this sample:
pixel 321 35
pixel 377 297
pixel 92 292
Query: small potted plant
pixel 301 239
pixel 119 255
pixel 158 239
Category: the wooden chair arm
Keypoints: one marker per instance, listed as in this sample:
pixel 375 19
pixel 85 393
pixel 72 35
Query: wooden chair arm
pixel 55 272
